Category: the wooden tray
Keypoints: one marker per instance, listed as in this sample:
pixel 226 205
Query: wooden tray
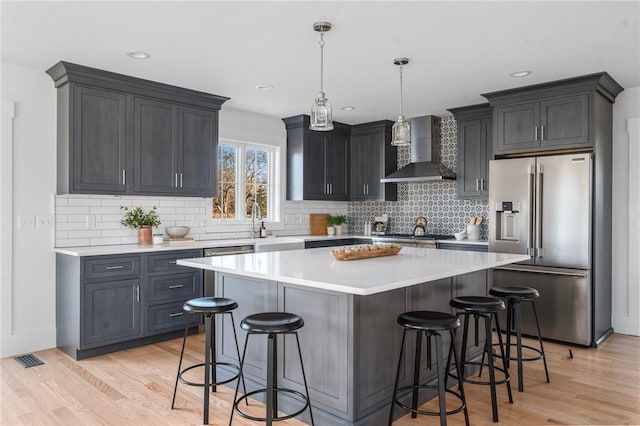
pixel 387 251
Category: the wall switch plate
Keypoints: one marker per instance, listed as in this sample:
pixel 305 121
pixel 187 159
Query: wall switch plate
pixel 91 221
pixel 45 221
pixel 27 222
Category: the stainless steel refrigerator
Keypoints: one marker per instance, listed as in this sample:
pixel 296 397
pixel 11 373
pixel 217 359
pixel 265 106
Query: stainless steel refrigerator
pixel 542 206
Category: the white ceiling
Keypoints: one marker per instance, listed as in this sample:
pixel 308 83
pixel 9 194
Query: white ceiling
pixel 458 50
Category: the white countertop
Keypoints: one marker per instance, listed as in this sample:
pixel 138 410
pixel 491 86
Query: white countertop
pixel 318 269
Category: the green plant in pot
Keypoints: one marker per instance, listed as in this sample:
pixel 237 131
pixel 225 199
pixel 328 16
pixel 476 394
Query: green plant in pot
pixel 336 222
pixel 136 218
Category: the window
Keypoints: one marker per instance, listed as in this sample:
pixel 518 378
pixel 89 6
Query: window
pixel 245 175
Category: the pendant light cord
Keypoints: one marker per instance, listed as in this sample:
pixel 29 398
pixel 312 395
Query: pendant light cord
pixel 401 113
pixel 322 62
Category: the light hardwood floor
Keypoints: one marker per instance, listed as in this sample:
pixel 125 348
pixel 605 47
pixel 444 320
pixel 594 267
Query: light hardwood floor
pixel 134 387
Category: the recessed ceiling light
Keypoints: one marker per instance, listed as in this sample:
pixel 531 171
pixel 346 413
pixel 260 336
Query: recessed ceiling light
pixel 264 86
pixel 138 55
pixel 520 73
pixel 348 108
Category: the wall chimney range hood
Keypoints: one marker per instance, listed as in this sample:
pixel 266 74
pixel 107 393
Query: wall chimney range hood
pixel 426 151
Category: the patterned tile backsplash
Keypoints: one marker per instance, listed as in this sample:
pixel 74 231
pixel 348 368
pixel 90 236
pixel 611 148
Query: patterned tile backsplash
pixel 87 220
pixel 436 200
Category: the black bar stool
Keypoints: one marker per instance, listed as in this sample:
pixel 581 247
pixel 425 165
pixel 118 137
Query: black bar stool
pixel 514 297
pixel 209 307
pixel 486 308
pixel 431 324
pixel 272 324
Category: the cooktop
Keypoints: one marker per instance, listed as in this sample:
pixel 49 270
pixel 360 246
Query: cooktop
pixel 417 237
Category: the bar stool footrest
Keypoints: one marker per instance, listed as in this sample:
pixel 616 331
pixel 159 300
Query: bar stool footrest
pixel 506 379
pixel 234 377
pixel 531 348
pixel 429 413
pixel 302 398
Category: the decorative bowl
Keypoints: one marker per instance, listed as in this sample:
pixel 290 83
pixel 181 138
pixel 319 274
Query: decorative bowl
pixel 460 235
pixel 177 231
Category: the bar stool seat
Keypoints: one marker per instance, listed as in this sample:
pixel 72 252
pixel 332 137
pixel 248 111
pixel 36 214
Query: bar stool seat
pixel 272 324
pixel 486 308
pixel 209 307
pixel 430 323
pixel 515 295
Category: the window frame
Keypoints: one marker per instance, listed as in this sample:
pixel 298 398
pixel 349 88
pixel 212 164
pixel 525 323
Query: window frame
pixel 274 200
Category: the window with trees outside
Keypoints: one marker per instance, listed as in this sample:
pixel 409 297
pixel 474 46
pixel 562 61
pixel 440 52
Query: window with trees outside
pixel 245 176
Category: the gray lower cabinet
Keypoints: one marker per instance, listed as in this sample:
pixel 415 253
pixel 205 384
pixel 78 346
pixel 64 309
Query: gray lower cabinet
pixel 372 158
pixel 350 344
pixel 109 303
pixel 317 162
pixel 562 114
pixel 475 149
pixel 123 135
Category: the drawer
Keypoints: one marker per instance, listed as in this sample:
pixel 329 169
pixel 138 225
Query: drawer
pixel 175 287
pixel 111 267
pixel 169 315
pixel 166 262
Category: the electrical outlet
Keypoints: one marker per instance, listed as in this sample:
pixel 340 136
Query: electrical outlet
pixel 91 221
pixel 27 222
pixel 45 221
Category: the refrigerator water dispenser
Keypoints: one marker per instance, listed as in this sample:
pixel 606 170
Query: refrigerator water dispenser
pixel 507 214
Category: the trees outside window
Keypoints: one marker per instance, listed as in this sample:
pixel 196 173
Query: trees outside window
pixel 244 173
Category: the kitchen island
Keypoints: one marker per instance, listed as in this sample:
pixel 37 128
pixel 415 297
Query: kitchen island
pixel 350 341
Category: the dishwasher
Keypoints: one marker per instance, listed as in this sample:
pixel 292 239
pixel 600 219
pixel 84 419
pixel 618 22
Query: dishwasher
pixel 209 276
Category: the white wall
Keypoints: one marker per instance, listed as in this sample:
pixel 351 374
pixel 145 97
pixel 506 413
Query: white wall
pixel 626 212
pixel 29 283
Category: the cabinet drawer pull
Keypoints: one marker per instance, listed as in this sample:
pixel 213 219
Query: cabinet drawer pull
pixel 173 262
pixel 111 268
pixel 176 286
pixel 176 314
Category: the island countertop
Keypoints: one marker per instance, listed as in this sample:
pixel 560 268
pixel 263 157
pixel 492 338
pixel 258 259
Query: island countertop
pixel 317 268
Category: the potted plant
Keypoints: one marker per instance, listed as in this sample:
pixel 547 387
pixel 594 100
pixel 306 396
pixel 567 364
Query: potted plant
pixel 137 219
pixel 336 222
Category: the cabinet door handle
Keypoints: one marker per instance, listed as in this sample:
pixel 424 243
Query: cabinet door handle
pixel 481 184
pixel 541 133
pixel 137 293
pixel 176 286
pixel 536 133
pixel 477 184
pixel 180 180
pixel 176 180
pixel 330 188
pixel 112 267
pixel 176 314
pixel 124 177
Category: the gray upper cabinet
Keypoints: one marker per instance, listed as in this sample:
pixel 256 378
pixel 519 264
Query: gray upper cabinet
pixel 551 116
pixel 123 135
pixel 317 162
pixel 372 158
pixel 100 152
pixel 474 150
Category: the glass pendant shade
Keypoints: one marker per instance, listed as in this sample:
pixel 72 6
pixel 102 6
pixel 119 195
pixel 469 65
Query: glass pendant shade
pixel 401 133
pixel 321 115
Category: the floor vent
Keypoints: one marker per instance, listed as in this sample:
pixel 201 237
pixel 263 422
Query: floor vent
pixel 28 360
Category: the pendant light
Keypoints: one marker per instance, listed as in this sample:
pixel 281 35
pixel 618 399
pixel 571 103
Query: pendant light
pixel 401 132
pixel 321 109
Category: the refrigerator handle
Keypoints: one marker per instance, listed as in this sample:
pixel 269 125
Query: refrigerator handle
pixel 538 214
pixel 530 245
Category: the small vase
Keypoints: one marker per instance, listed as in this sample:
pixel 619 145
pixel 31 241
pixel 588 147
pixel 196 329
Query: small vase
pixel 331 230
pixel 338 229
pixel 144 235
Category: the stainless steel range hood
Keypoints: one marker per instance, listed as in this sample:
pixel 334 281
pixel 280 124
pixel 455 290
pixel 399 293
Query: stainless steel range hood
pixel 425 162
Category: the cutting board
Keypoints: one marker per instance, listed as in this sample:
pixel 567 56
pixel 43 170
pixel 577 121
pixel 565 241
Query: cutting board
pixel 318 223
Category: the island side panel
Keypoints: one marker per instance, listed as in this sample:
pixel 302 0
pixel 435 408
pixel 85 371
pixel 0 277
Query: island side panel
pixel 326 346
pixel 253 296
pixel 377 339
pixel 68 304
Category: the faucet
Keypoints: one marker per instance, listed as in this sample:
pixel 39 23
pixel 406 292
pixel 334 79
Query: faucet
pixel 256 213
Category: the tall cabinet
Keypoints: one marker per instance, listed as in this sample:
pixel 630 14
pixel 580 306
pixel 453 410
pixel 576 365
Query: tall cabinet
pixel 475 149
pixel 317 162
pixel 123 135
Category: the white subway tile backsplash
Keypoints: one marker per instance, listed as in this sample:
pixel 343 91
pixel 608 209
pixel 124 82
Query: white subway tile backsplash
pixel 171 203
pixel 76 242
pixel 106 210
pixel 106 241
pixel 72 210
pixel 83 234
pixel 116 233
pixel 71 226
pixel 84 202
pixel 77 218
pixel 116 202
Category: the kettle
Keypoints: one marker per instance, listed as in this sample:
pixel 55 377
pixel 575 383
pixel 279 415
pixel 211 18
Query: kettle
pixel 420 226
